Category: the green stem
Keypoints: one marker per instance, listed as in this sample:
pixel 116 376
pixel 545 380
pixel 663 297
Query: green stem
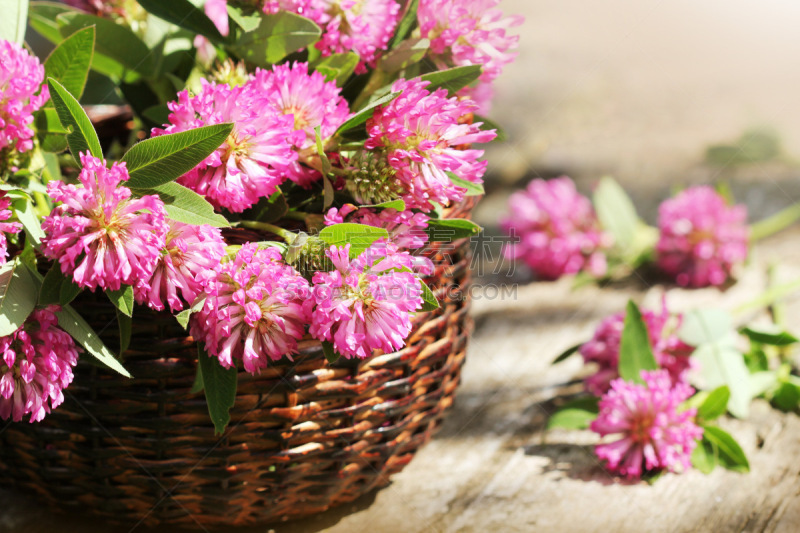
pixel 770 296
pixel 775 223
pixel 296 215
pixel 284 234
pixel 778 308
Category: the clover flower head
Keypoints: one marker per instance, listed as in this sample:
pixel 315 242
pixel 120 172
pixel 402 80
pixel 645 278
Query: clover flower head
pixel 469 32
pixel 365 304
pixel 310 101
pixel 6 227
pixel 189 251
pixel 671 353
pixel 360 26
pixel 557 228
pixel 701 238
pixel 256 308
pixel 252 161
pixel 653 433
pixel 99 235
pixel 423 135
pixel 36 366
pixel 21 94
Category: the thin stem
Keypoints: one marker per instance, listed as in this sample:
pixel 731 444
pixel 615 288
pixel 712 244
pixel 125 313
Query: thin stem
pixel 775 223
pixel 296 215
pixel 770 296
pixel 284 234
pixel 777 308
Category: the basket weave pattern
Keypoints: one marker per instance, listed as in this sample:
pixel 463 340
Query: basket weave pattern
pixel 305 435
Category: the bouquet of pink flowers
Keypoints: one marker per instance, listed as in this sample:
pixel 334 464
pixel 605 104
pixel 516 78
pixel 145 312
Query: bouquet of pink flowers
pixel 337 130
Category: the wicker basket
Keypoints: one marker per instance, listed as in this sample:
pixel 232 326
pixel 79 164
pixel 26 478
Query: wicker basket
pixel 304 435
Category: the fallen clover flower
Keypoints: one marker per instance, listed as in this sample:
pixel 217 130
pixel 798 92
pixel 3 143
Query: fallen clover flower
pixel 669 351
pixel 701 238
pixel 557 228
pixel 650 418
pixel 654 434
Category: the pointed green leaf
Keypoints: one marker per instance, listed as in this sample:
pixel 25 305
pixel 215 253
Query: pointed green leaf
pixel 616 212
pixel 184 316
pixel 197 386
pixel 124 322
pixel 70 61
pixel 247 19
pixel 330 352
pixel 362 116
pixel 772 336
pixel 473 189
pixel 489 124
pixel 220 386
pixel 74 324
pixel 276 37
pixel 56 288
pixel 715 404
pixel 408 20
pixel 26 214
pixel 705 325
pixel 635 351
pixel 185 205
pixel 68 292
pixel 731 455
pixel 337 67
pixel 168 157
pixel 185 15
pixel 451 229
pixel 704 456
pixel 18 294
pixel 122 299
pixel 452 79
pixel 577 414
pixel 51 134
pixel 429 301
pixel 787 396
pixel 117 48
pixel 51 286
pixel 359 236
pixel 82 138
pixel 13 20
pixel 567 353
pixel 397 205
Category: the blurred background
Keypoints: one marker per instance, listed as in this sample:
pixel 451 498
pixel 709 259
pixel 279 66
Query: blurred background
pixel 658 94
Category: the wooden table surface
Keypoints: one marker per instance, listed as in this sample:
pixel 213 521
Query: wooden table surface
pixel 493 468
